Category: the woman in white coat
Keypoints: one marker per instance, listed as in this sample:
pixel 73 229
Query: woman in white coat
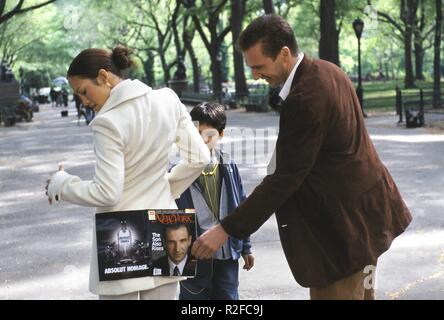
pixel 133 132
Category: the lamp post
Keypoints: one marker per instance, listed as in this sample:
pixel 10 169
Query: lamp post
pixel 358 26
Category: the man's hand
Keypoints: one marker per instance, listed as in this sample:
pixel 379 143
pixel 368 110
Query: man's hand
pixel 248 261
pixel 209 242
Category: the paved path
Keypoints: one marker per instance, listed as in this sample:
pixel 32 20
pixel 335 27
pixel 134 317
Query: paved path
pixel 45 251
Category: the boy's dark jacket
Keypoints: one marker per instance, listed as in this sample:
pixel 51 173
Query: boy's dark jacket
pixel 229 174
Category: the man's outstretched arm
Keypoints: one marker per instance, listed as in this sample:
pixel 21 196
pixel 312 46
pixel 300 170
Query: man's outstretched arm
pixel 299 141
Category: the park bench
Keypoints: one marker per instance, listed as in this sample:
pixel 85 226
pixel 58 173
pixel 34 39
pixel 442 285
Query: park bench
pixel 412 105
pixel 255 102
pixel 195 98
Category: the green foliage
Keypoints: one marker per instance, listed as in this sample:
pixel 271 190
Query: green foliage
pixel 45 40
pixel 38 78
pixel 381 95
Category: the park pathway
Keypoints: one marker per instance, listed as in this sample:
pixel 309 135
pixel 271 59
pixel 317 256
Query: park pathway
pixel 45 250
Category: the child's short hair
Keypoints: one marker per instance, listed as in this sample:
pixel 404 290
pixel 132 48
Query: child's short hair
pixel 210 113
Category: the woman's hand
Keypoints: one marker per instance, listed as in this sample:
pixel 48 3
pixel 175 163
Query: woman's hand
pixel 47 185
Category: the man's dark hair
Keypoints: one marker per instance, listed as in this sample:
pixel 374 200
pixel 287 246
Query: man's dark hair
pixel 210 113
pixel 274 33
pixel 176 226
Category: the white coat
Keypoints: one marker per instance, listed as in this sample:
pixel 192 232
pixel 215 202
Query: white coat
pixel 133 134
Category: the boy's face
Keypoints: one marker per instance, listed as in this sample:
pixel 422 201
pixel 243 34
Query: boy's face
pixel 210 135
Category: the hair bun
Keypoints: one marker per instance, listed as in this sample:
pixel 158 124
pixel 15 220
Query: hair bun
pixel 121 57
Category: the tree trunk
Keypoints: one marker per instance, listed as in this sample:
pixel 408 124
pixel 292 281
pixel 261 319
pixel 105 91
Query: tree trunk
pixel 419 61
pixel 408 14
pixel 237 16
pixel 214 44
pixel 188 36
pixel 268 6
pixel 329 42
pixel 165 68
pixel 216 75
pixel 409 80
pixel 419 44
pixel 216 67
pixel 174 26
pixel 148 67
pixel 437 59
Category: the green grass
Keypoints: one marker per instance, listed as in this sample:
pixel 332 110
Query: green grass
pixel 381 97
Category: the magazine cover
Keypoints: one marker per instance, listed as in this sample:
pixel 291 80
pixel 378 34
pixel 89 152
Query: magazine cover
pixel 133 244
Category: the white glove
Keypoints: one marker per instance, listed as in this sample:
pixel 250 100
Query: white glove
pixel 55 183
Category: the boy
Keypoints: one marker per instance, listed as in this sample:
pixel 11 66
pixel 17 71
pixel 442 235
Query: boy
pixel 214 194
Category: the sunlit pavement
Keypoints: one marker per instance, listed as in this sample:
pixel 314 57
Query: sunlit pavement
pixel 45 250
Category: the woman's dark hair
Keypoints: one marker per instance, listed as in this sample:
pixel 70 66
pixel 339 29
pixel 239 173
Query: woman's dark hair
pixel 88 63
pixel 210 113
pixel 274 33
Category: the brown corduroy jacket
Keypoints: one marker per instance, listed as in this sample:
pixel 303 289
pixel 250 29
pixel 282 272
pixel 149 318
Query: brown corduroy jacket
pixel 337 207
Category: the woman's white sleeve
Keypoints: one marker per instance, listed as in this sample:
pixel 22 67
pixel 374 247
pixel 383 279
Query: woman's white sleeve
pixel 193 152
pixel 106 188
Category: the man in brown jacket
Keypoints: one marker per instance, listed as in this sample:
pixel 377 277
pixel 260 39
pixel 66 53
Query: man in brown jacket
pixel 337 207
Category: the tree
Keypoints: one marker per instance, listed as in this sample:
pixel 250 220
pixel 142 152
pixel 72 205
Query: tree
pixel 35 79
pixel 268 6
pixel 237 16
pixel 188 32
pixel 329 41
pixel 148 68
pixel 419 50
pixel 119 28
pixel 14 33
pixel 14 38
pixel 161 24
pixel 420 36
pixel 217 33
pixel 188 35
pixel 48 47
pixel 408 16
pixel 18 9
pixel 332 15
pixel 408 9
pixel 437 59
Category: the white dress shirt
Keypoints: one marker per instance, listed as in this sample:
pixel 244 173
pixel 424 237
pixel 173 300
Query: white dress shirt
pixel 285 91
pixel 181 265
